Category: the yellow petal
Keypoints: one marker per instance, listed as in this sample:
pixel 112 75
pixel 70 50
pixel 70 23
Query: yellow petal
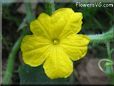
pixel 63 22
pixel 72 21
pixel 59 20
pixel 57 26
pixel 63 11
pixel 41 26
pixel 58 64
pixel 34 50
pixel 75 46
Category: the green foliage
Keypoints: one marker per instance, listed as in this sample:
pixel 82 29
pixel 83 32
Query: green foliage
pixel 35 75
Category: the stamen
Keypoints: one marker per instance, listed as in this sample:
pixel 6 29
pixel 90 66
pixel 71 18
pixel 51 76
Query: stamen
pixel 55 41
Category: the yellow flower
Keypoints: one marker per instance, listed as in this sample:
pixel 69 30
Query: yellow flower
pixel 55 42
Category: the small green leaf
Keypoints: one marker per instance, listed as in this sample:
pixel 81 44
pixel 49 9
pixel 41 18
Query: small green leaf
pixel 36 75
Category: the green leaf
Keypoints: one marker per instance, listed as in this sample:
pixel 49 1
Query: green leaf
pixel 36 75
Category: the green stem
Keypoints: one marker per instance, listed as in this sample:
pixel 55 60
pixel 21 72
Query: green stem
pixel 105 38
pixel 10 65
pixel 49 6
pixel 112 51
pixel 30 16
pixel 11 59
pixel 108 50
pixel 102 38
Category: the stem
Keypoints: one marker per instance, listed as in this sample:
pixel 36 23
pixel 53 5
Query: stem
pixel 105 38
pixel 108 65
pixel 108 50
pixel 11 59
pixel 10 65
pixel 29 12
pixel 112 51
pixel 29 17
pixel 102 38
pixel 49 6
pixel 23 24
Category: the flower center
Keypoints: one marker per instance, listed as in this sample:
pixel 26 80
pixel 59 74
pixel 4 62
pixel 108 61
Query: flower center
pixel 55 41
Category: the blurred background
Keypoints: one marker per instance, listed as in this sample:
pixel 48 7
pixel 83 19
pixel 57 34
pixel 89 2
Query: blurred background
pixel 96 20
